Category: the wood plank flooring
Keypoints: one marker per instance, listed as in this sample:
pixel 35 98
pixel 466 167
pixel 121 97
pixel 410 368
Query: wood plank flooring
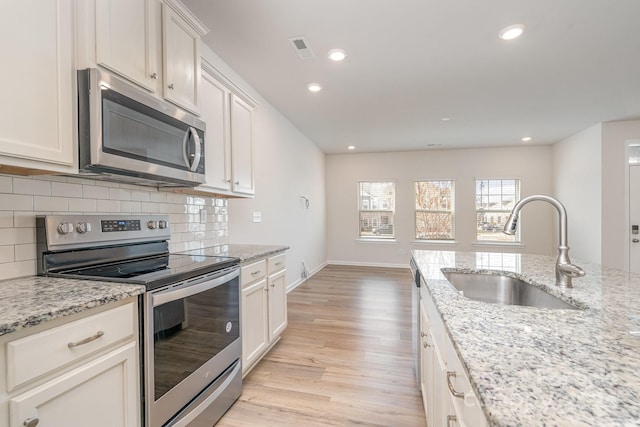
pixel 344 359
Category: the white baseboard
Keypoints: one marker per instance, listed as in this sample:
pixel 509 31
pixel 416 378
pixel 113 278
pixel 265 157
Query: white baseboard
pixel 368 264
pixel 300 281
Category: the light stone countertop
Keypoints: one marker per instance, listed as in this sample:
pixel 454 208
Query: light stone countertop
pixel 246 253
pixel 532 366
pixel 29 301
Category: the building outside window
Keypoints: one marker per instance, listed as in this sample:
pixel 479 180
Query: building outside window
pixel 434 210
pixel 495 198
pixel 376 206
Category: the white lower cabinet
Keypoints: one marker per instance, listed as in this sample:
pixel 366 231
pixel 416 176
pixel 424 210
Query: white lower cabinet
pixel 448 397
pixel 74 372
pixel 264 308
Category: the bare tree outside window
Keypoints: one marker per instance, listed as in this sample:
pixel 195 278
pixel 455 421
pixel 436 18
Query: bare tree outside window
pixel 495 198
pixel 434 210
pixel 376 206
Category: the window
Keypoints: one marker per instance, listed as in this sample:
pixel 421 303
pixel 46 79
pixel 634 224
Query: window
pixel 376 203
pixel 495 198
pixel 434 210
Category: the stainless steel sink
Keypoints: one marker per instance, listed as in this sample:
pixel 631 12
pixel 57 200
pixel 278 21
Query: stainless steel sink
pixel 499 289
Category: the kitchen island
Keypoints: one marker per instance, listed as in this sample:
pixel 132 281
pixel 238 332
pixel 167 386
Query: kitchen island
pixel 534 366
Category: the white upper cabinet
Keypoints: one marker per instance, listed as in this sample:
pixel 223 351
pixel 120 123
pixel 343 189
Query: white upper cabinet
pixel 181 60
pixel 228 113
pixel 242 146
pixel 154 44
pixel 126 39
pixel 37 117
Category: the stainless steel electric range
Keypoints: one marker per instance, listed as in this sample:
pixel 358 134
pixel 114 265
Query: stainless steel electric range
pixel 190 314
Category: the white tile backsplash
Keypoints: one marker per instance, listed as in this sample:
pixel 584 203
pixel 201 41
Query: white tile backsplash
pixel 22 198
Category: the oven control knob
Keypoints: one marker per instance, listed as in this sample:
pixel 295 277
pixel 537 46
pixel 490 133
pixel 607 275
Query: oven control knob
pixel 152 225
pixel 83 227
pixel 162 224
pixel 65 228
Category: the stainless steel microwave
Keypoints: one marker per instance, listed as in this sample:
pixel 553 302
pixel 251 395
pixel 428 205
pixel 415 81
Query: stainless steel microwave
pixel 127 135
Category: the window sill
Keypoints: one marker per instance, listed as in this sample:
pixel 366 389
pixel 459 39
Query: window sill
pixel 375 240
pixel 510 244
pixel 435 242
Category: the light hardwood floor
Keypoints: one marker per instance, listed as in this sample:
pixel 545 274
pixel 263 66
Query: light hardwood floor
pixel 344 359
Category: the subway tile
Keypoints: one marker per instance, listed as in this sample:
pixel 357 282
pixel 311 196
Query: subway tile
pixel 31 186
pixel 6 184
pixel 119 194
pixel 6 219
pixel 140 196
pixel 16 202
pixel 108 206
pixel 25 252
pixel 17 269
pixel 66 189
pixel 16 236
pixel 82 205
pixel 130 207
pixel 7 253
pixel 24 219
pixel 52 204
pixel 95 192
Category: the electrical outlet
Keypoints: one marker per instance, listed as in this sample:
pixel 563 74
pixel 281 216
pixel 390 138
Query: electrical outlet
pixel 257 216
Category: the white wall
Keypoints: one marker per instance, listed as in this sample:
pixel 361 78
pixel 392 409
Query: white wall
pixel 577 164
pixel 533 165
pixel 286 165
pixel 614 216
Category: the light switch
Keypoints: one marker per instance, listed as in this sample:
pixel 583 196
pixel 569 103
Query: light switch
pixel 257 217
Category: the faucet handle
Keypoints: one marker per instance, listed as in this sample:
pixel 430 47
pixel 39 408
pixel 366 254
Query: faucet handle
pixel 571 270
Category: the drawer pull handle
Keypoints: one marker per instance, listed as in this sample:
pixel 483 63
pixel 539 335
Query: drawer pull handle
pixel 86 340
pixel 451 388
pixel 451 420
pixel 253 273
pixel 278 263
pixel 31 422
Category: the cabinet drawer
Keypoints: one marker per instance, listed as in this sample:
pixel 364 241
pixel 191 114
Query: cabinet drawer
pixel 35 355
pixel 252 272
pixel 276 263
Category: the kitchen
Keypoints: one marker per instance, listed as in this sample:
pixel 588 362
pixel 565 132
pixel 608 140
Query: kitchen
pixel 288 165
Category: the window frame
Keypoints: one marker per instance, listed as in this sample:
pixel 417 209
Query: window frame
pixel 450 211
pixel 376 221
pixel 516 239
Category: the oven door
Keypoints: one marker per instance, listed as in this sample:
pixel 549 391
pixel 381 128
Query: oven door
pixel 192 335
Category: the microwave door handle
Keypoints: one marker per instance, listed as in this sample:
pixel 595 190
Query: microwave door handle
pixel 193 165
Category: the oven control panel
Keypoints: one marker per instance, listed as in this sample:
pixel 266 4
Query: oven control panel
pixel 79 231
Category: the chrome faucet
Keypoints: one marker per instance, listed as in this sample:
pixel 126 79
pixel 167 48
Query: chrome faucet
pixel 565 271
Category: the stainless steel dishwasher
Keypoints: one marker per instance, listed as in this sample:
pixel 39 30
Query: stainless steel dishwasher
pixel 415 316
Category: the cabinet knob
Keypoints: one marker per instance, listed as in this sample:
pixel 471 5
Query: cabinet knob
pixel 31 422
pixel 228 181
pixel 422 334
pixel 426 345
pixel 154 76
pixel 237 183
pixel 170 86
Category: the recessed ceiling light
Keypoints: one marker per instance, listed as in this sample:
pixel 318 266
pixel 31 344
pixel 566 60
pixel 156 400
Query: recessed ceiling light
pixel 351 147
pixel 337 55
pixel 314 87
pixel 526 139
pixel 434 145
pixel 512 32
pixel 445 119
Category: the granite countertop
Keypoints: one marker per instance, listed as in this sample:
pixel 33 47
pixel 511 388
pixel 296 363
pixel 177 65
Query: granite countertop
pixel 246 253
pixel 533 366
pixel 29 301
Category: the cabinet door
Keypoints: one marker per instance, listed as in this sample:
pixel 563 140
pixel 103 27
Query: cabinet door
pixel 254 323
pixel 242 146
pixel 181 60
pixel 125 39
pixel 426 366
pixel 277 305
pixel 101 393
pixel 214 101
pixel 38 74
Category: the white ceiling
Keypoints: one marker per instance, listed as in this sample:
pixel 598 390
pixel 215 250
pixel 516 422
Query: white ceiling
pixel 413 62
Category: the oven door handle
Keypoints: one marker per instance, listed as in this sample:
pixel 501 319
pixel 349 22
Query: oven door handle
pixel 189 289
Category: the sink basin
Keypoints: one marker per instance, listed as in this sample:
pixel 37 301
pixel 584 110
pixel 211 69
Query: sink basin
pixel 499 289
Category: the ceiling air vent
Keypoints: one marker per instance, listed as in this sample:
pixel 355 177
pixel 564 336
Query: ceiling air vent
pixel 302 47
